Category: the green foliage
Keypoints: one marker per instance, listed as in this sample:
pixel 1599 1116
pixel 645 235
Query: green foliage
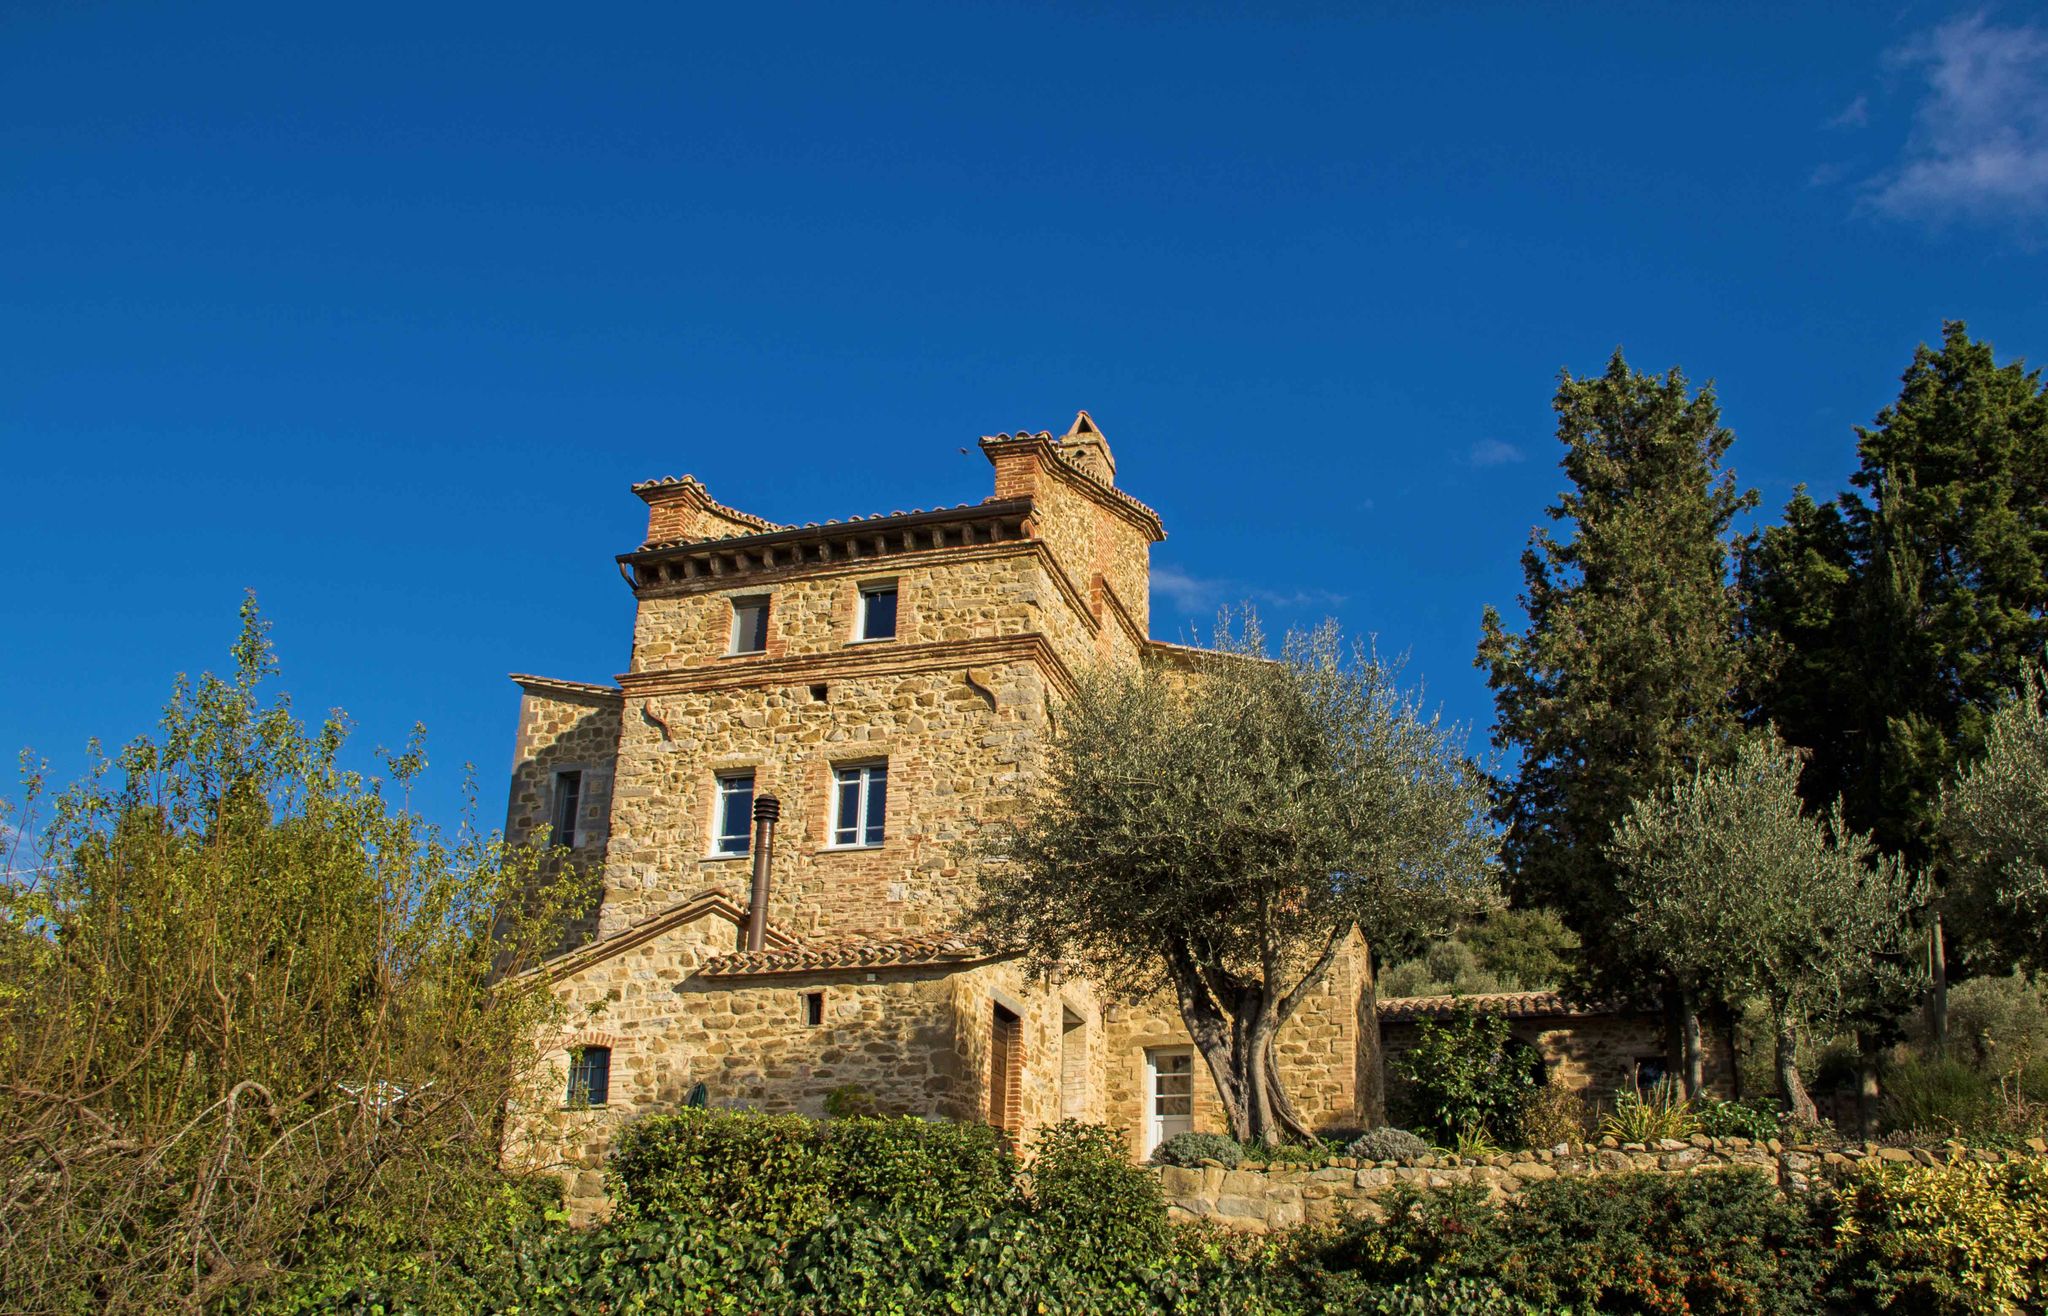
pixel 1938 1095
pixel 1463 1077
pixel 1624 674
pixel 1738 892
pixel 1386 1144
pixel 1553 1114
pixel 1188 1149
pixel 1999 1025
pixel 1226 829
pixel 1736 1119
pixel 1662 1112
pixel 1709 1244
pixel 253 1011
pixel 1959 1238
pixel 1501 950
pixel 785 1172
pixel 1996 819
pixel 1082 1178
pixel 1895 620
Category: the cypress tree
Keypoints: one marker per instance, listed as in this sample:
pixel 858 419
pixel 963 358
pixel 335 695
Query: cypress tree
pixel 1625 675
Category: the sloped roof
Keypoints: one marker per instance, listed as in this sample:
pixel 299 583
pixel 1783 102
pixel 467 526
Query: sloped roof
pixel 860 951
pixel 646 929
pixel 1515 1005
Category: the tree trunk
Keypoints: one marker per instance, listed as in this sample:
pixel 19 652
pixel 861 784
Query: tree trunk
pixel 1937 991
pixel 1689 1045
pixel 1791 1089
pixel 1372 1056
pixel 1867 1094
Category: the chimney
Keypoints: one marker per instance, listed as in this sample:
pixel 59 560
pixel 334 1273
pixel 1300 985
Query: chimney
pixel 766 810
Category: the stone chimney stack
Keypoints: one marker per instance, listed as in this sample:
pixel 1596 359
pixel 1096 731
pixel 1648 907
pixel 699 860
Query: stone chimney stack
pixel 1084 447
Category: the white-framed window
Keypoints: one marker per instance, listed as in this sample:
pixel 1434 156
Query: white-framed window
pixel 733 819
pixel 1169 1093
pixel 750 624
pixel 877 619
pixel 568 801
pixel 860 802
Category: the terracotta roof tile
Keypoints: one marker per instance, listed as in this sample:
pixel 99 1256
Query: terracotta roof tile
pixel 733 513
pixel 1515 1005
pixel 861 951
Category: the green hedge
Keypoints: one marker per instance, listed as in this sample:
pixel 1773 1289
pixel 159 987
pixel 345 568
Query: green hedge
pixel 786 1172
pixel 782 1217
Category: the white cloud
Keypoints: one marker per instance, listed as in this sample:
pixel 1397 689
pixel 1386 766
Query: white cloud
pixel 1492 452
pixel 1856 114
pixel 1203 595
pixel 1978 148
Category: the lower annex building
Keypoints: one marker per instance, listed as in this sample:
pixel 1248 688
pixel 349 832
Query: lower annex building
pixel 885 680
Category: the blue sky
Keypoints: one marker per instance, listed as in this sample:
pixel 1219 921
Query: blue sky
pixel 379 310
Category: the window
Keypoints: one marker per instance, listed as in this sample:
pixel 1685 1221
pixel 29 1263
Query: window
pixel 1006 1071
pixel 1651 1074
pixel 735 814
pixel 590 1075
pixel 568 798
pixel 750 624
pixel 814 1009
pixel 1171 1075
pixel 860 799
pixel 878 611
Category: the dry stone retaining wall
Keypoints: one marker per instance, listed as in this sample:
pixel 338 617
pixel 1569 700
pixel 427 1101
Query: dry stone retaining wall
pixel 1260 1198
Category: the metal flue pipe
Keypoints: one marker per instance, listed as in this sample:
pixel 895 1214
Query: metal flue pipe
pixel 766 810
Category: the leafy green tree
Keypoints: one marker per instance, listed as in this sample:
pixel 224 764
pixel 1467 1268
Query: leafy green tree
pixel 1501 950
pixel 1996 818
pixel 1894 620
pixel 1223 830
pixel 1731 883
pixel 251 1009
pixel 1466 1075
pixel 1626 671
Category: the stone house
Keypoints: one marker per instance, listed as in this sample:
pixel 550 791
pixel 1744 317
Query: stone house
pixel 1595 1049
pixel 885 681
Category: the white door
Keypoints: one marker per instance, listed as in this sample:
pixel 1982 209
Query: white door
pixel 1169 1092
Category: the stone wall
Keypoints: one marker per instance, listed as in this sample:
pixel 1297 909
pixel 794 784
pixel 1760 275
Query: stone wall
pixel 1593 1053
pixel 1261 1198
pixel 565 727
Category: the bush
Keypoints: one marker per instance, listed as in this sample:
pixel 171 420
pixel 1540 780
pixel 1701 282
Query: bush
pixel 1387 1145
pixel 1190 1149
pixel 1082 1179
pixel 1938 1096
pixel 1996 1024
pixel 1637 1118
pixel 786 1172
pixel 1964 1237
pixel 1553 1115
pixel 1465 1075
pixel 1736 1119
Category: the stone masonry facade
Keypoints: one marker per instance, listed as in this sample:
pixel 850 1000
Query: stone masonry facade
pixel 866 978
pixel 758 659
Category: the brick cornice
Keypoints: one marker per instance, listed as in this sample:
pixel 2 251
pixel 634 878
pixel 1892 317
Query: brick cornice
pixel 853 664
pixel 1055 464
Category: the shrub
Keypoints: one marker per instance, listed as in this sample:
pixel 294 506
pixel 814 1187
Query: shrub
pixel 1463 1074
pixel 721 1165
pixel 786 1172
pixel 1964 1237
pixel 1387 1145
pixel 1188 1149
pixel 1554 1114
pixel 1996 1024
pixel 1736 1119
pixel 1638 1118
pixel 1726 1242
pixel 1082 1179
pixel 1939 1096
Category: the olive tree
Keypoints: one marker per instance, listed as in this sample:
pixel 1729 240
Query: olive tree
pixel 1733 886
pixel 252 1011
pixel 1222 826
pixel 1995 816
